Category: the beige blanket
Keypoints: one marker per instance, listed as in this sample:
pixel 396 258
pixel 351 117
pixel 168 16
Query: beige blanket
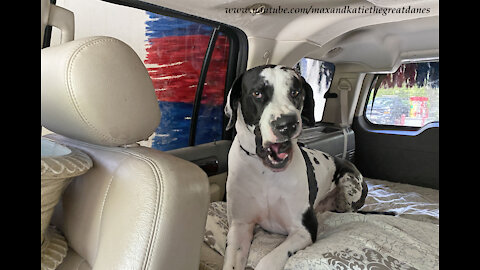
pixel 356 241
pixel 407 201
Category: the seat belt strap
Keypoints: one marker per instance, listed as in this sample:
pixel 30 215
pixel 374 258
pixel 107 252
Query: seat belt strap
pixel 345 142
pixel 344 87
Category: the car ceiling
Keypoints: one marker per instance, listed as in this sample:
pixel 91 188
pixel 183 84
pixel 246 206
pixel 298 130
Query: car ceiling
pixel 367 42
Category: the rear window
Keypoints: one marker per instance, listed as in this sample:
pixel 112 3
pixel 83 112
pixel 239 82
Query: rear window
pixel 408 97
pixel 319 75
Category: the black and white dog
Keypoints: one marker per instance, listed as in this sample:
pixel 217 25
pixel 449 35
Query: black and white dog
pixel 272 181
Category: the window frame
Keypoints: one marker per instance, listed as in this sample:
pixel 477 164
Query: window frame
pixel 393 129
pixel 47 35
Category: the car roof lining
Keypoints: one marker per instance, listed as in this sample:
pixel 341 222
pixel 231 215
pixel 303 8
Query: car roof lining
pixel 367 42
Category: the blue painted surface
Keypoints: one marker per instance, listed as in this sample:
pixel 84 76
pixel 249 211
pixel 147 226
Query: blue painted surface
pixel 174 128
pixel 162 26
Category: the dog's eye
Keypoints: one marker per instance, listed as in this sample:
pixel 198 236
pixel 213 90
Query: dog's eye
pixel 294 93
pixel 257 94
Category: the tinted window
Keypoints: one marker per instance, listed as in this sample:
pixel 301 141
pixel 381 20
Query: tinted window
pixel 408 97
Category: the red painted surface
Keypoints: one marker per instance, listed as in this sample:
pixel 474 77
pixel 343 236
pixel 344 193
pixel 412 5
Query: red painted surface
pixel 177 61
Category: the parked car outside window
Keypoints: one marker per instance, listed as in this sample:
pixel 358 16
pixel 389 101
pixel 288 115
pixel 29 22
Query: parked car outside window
pixel 408 97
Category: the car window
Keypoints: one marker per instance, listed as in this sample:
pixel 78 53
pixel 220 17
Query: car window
pixel 408 97
pixel 174 58
pixel 319 75
pixel 173 51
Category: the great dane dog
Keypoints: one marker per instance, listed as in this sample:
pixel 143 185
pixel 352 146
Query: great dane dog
pixel 272 180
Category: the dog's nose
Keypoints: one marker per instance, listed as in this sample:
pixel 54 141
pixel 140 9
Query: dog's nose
pixel 286 125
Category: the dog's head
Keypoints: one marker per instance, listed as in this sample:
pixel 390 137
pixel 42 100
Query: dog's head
pixel 273 101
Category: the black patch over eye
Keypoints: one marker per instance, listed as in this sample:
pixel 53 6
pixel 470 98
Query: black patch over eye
pixel 257 94
pixel 294 93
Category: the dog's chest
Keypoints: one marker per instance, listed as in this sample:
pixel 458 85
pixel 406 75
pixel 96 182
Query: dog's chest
pixel 283 205
pixel 275 200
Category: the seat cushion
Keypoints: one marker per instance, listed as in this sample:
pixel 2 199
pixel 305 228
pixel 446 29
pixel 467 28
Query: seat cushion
pixel 136 208
pixel 74 261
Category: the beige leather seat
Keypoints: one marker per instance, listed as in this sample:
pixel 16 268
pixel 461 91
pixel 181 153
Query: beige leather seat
pixel 136 208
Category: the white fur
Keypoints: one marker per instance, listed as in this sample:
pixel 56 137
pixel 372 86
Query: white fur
pixel 280 104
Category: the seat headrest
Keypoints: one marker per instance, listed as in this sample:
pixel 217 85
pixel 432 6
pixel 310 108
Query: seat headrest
pixel 97 90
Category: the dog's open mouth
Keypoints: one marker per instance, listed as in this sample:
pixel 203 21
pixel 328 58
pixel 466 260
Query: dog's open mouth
pixel 278 154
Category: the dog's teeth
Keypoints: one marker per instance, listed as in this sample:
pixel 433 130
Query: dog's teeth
pixel 272 160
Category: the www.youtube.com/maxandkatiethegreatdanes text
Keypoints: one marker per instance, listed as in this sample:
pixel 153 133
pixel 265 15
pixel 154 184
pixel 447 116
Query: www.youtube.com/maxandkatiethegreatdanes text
pixel 265 9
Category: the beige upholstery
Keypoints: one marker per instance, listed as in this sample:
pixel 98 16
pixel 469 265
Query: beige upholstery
pixel 97 90
pixel 136 208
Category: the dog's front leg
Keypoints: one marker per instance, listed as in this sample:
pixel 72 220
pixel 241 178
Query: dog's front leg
pixel 276 259
pixel 239 239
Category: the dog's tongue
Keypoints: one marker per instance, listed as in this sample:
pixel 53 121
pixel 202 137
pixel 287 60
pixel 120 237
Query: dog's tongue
pixel 276 148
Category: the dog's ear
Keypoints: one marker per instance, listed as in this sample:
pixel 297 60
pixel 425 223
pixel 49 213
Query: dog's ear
pixel 308 112
pixel 232 101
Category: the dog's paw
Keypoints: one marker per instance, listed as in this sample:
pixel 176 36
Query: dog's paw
pixel 352 193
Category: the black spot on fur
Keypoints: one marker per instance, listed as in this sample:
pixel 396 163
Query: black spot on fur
pixel 343 166
pixel 312 181
pixel 297 101
pixel 316 160
pixel 326 156
pixel 255 106
pixel 252 82
pixel 309 220
pixel 289 254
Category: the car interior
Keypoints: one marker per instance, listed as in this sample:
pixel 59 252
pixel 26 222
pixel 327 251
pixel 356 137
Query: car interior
pixel 134 145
